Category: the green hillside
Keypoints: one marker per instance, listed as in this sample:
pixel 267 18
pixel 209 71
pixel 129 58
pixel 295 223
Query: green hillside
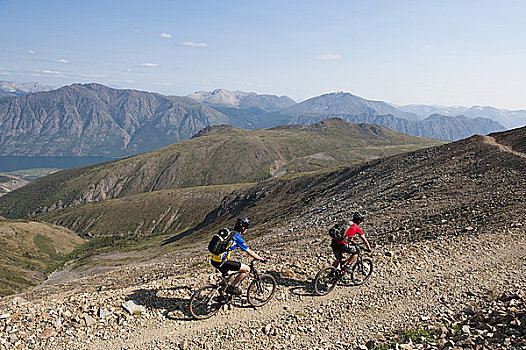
pixel 125 222
pixel 222 155
pixel 31 250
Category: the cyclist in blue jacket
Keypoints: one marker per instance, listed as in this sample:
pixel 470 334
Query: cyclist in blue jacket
pixel 222 262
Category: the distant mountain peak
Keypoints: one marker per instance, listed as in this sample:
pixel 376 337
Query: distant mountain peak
pixel 16 88
pixel 242 99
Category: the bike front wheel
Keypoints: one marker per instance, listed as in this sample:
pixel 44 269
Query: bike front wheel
pixel 361 272
pixel 325 280
pixel 205 302
pixel 261 290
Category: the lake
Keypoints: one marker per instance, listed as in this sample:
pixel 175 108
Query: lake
pixel 12 163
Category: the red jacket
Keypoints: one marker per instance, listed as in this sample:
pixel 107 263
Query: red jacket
pixel 354 229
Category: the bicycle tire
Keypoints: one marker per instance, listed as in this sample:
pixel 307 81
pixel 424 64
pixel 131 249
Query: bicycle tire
pixel 205 302
pixel 260 291
pixel 361 271
pixel 326 280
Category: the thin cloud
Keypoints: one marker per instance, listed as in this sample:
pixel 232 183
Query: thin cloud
pixel 328 57
pixel 192 44
pixel 62 60
pixel 50 72
pixel 93 76
pixel 166 35
pixel 149 65
pixel 122 81
pixel 31 52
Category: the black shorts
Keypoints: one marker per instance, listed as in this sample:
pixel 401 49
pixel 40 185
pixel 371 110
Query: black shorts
pixel 338 249
pixel 226 266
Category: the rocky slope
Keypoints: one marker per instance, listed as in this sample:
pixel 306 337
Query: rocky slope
pixel 434 285
pixel 448 230
pixel 94 120
pixel 429 192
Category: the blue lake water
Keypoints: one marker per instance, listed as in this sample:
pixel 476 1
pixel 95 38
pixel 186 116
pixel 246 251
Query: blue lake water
pixel 12 163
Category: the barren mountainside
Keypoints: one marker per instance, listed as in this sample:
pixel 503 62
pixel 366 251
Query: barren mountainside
pixel 95 120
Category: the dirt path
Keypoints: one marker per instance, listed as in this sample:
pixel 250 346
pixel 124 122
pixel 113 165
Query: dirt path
pixel 491 141
pixel 426 281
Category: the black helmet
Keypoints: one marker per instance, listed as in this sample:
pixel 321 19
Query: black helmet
pixel 242 222
pixel 357 217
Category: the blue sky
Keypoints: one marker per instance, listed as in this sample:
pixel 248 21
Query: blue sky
pixel 428 52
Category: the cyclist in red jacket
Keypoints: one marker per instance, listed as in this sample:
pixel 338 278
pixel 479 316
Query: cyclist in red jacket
pixel 340 247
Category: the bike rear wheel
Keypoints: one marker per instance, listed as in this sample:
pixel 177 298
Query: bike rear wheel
pixel 261 290
pixel 205 302
pixel 361 272
pixel 326 280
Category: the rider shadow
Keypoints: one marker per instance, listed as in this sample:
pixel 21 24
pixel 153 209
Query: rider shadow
pixel 297 287
pixel 171 305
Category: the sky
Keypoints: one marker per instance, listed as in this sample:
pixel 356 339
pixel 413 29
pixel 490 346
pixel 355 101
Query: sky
pixel 402 52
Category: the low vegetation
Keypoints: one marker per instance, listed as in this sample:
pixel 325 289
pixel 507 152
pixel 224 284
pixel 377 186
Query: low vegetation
pixel 31 250
pixel 114 222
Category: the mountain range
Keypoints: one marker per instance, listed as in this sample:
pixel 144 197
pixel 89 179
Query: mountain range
pixel 509 119
pixel 15 88
pixel 240 99
pixel 95 120
pixel 435 126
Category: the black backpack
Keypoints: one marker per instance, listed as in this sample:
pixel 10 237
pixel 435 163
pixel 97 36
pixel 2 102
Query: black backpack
pixel 337 232
pixel 220 241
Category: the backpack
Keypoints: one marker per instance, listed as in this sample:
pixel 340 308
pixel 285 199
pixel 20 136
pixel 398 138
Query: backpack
pixel 220 241
pixel 337 232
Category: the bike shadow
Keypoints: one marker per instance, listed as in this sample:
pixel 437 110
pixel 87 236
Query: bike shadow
pixel 304 288
pixel 295 286
pixel 174 308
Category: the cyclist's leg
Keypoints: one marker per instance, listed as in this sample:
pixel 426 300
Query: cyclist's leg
pixel 244 270
pixel 353 250
pixel 338 254
pixel 236 266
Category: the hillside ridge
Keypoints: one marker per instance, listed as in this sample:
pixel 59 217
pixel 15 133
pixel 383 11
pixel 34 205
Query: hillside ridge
pixel 207 160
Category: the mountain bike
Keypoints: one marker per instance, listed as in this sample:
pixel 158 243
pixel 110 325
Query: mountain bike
pixel 208 300
pixel 329 276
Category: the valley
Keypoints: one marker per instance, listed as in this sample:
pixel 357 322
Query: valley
pixel 448 233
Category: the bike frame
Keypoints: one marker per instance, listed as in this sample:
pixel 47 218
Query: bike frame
pixel 223 284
